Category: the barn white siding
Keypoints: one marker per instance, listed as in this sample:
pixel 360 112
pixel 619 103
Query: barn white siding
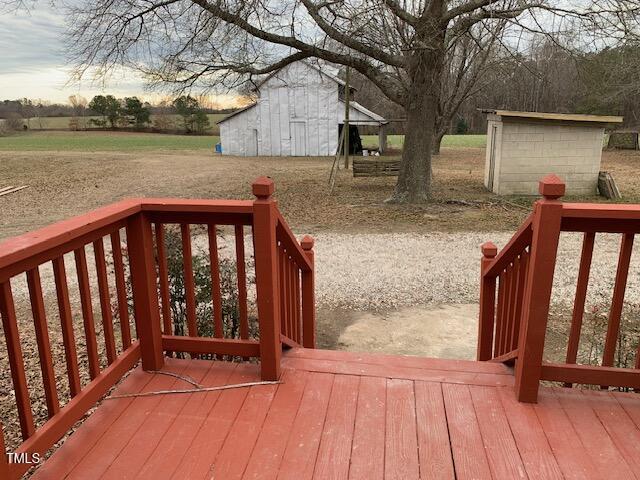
pixel 297 114
pixel 240 134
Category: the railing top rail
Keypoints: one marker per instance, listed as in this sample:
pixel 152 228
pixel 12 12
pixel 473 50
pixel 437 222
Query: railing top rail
pixel 40 241
pixel 196 205
pixel 292 245
pixel 519 241
pixel 608 211
pixel 25 251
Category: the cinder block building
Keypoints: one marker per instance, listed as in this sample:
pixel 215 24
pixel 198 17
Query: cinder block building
pixel 522 147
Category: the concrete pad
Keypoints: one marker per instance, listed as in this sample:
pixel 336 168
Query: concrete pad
pixel 440 331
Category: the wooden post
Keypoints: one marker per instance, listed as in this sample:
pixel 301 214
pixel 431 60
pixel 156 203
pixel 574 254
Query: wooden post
pixel 487 303
pixel 382 139
pixel 544 247
pixel 346 119
pixel 145 295
pixel 308 297
pixel 266 265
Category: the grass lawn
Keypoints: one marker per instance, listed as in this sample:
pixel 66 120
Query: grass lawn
pixel 396 141
pixel 105 141
pixel 124 141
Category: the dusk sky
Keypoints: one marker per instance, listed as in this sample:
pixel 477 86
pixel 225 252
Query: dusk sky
pixel 33 62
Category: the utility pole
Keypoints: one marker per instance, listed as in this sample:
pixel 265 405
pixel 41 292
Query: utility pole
pixel 345 127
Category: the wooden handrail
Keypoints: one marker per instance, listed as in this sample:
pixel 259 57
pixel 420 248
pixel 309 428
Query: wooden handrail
pixel 536 242
pixel 518 242
pixel 286 236
pixel 140 217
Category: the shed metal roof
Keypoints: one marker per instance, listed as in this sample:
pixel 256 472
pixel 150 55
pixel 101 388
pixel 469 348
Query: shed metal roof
pixel 566 117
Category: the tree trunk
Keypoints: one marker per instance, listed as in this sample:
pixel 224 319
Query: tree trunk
pixel 437 142
pixel 414 181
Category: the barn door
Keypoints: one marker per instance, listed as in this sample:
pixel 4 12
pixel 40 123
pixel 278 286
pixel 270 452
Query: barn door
pixel 252 142
pixel 299 139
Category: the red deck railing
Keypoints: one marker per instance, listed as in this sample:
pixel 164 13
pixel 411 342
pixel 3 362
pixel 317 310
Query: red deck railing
pixel 284 278
pixel 512 327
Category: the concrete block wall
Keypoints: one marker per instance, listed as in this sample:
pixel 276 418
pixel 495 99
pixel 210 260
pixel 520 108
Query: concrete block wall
pixel 529 151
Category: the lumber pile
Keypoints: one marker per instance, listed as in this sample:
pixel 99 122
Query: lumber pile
pixel 607 186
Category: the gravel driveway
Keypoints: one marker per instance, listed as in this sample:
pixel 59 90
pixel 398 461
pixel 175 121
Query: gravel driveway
pixel 376 271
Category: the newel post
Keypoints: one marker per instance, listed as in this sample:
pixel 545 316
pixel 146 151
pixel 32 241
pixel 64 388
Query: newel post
pixel 308 297
pixel 266 265
pixel 535 310
pixel 486 318
pixel 145 293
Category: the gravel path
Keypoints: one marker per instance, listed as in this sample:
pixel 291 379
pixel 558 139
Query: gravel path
pixel 378 271
pixel 393 270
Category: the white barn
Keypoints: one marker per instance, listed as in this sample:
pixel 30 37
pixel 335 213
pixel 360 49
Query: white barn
pixel 297 113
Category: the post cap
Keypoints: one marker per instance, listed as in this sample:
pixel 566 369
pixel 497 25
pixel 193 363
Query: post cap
pixel 263 187
pixel 551 187
pixel 307 242
pixel 489 249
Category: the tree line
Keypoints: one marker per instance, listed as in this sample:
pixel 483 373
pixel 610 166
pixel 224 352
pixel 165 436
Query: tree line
pixel 184 113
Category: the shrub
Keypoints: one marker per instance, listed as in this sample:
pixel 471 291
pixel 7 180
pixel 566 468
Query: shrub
pixel 203 291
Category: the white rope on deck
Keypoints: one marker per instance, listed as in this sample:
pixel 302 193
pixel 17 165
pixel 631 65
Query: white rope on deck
pixel 193 390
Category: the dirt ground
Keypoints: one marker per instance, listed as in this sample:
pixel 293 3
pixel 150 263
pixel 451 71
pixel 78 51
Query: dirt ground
pixel 66 184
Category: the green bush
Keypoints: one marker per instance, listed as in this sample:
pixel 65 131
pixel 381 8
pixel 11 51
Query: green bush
pixel 203 291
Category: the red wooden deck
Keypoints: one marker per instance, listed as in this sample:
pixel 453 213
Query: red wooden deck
pixel 345 415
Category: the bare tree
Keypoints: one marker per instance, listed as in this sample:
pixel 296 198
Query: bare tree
pixel 400 45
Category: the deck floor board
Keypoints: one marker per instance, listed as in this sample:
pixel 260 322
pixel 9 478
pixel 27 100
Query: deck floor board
pixel 339 415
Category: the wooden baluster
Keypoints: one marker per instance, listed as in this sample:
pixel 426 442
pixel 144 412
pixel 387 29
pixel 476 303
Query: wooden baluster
pixel 508 306
pixel 513 298
pixel 500 314
pixel 163 280
pixel 145 293
pixel 66 323
pixel 288 294
pixel 14 352
pixel 242 282
pixel 298 312
pixel 189 282
pixel 486 319
pixel 617 301
pixel 293 270
pixel 43 341
pixel 308 297
pixel 546 224
pixel 522 280
pixel 216 291
pixel 580 298
pixel 121 289
pixel 105 300
pixel 281 289
pixel 87 312
pixel 264 230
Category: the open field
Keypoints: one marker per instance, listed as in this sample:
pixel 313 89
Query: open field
pixel 91 169
pixel 105 141
pixel 127 141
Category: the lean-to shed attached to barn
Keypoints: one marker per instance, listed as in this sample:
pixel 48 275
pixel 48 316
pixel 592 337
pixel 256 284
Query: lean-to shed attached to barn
pixel 298 112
